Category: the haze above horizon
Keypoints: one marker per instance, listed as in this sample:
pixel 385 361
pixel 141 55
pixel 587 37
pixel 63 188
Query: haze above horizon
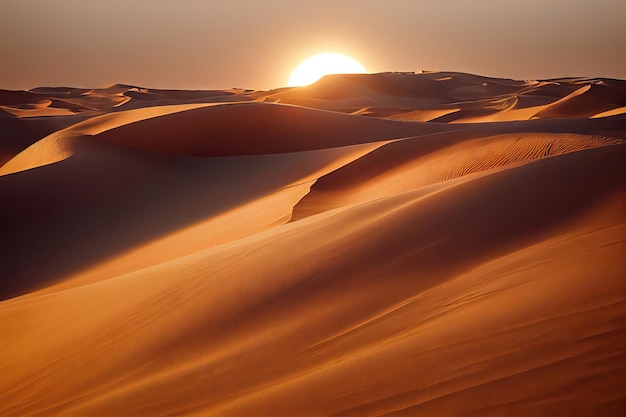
pixel 243 43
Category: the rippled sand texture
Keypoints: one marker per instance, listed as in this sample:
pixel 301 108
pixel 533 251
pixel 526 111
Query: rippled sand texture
pixel 436 244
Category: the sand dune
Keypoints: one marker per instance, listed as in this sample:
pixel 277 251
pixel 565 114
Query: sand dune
pixel 459 97
pixel 385 244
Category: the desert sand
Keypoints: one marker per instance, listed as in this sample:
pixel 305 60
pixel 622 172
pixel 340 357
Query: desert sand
pixel 395 244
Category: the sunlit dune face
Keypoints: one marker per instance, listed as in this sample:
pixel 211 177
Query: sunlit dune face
pixel 315 67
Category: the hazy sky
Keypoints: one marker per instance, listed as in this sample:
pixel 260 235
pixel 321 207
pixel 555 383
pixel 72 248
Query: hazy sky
pixel 257 43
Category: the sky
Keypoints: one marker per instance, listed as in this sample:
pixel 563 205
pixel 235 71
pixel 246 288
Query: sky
pixel 216 44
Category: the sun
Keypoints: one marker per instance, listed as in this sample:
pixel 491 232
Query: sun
pixel 315 67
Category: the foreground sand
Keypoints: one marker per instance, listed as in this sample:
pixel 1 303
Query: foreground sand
pixel 435 244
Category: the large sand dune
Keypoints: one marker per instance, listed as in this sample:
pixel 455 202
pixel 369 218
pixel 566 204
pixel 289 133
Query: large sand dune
pixel 438 244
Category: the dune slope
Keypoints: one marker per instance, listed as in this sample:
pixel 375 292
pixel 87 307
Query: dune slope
pixel 372 245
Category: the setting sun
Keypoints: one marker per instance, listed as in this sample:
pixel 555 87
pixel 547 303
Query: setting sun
pixel 315 67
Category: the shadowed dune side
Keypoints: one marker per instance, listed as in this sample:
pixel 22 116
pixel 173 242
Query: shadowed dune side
pixel 441 97
pixel 268 128
pixel 587 101
pixel 440 86
pixel 224 253
pixel 250 217
pixel 60 91
pixel 94 102
pixel 18 134
pixel 37 109
pixel 215 129
pixel 18 97
pixel 397 92
pixel 94 164
pixel 109 199
pixel 612 127
pixel 326 309
pixel 414 163
pixel 455 97
pixel 487 110
pixel 28 116
pixel 60 144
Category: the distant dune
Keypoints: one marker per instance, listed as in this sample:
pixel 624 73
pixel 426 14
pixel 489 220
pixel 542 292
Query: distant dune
pixel 394 244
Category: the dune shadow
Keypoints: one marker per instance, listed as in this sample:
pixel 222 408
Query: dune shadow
pixel 59 219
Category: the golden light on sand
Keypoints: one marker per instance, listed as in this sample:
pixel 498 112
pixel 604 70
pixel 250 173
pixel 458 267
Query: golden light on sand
pixel 425 233
pixel 315 67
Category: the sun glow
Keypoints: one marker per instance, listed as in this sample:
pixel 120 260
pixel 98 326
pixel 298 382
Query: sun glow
pixel 315 67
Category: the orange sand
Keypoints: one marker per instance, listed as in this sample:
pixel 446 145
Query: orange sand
pixel 437 244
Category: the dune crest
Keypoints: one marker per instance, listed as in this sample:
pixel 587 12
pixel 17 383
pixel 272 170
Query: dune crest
pixel 437 243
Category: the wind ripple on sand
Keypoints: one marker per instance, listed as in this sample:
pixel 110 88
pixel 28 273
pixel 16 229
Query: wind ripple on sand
pixel 413 163
pixel 263 259
pixel 503 150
